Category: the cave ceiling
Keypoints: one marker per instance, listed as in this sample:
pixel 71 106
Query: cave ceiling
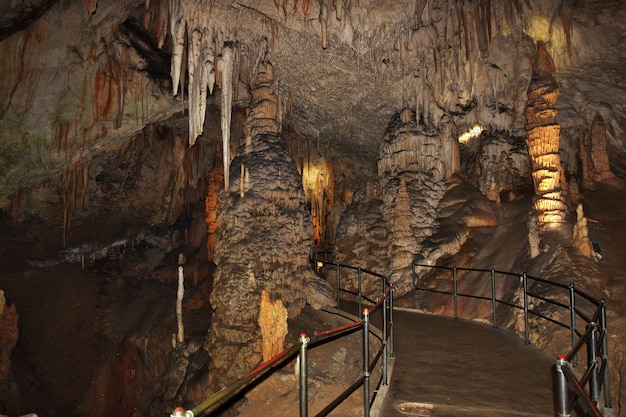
pixel 80 78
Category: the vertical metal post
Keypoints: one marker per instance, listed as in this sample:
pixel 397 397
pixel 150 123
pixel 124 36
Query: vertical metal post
pixel 360 295
pixel 454 284
pixel 384 335
pixel 413 282
pixel 391 352
pixel 605 356
pixel 493 298
pixel 562 400
pixel 366 362
pixel 338 286
pixel 592 363
pixel 572 308
pixel 526 328
pixel 304 401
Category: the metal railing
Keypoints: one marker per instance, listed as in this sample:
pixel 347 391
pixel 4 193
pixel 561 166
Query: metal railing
pixel 576 305
pixel 300 350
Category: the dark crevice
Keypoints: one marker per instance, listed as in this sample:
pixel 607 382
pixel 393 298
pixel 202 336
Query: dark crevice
pixel 20 17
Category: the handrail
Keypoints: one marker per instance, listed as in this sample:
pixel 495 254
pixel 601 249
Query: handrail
pixel 594 338
pixel 300 349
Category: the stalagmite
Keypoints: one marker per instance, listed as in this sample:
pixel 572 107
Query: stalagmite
pixel 225 68
pixel 180 336
pixel 593 155
pixel 581 234
pixel 543 140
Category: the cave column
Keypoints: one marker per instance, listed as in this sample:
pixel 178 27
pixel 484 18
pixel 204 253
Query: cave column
pixel 543 140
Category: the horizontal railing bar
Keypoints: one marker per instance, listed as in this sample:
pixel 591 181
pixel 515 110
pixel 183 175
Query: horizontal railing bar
pixel 374 361
pixel 356 294
pixel 377 305
pixel 548 300
pixel 330 407
pixel 478 297
pixel 355 268
pixel 586 296
pixel 433 290
pixel 247 380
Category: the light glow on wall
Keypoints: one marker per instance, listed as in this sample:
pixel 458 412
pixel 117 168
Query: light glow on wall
pixel 473 133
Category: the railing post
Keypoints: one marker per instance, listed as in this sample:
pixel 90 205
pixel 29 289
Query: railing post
pixel 384 339
pixel 304 401
pixel 454 285
pixel 391 352
pixel 366 364
pixel 592 363
pixel 605 356
pixel 413 282
pixel 360 296
pixel 526 328
pixel 572 307
pixel 493 298
pixel 338 285
pixel 562 400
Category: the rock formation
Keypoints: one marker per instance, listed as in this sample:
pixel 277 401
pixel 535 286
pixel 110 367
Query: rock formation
pixel 593 155
pixel 543 139
pixel 262 240
pixel 9 333
pixel 398 225
pixel 580 239
pixel 273 324
pixel 497 164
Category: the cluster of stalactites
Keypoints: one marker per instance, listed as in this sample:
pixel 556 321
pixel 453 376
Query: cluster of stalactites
pixel 415 147
pixel 210 61
pixel 543 140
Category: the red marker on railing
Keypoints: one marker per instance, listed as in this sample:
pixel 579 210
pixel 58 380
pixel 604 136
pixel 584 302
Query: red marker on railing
pixel 180 412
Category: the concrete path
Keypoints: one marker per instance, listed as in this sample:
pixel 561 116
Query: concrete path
pixel 450 368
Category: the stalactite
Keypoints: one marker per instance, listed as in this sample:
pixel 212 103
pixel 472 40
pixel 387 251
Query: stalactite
pixel 225 67
pixel 324 22
pixel 565 13
pixel 92 5
pixel 177 31
pixel 306 8
pixel 339 9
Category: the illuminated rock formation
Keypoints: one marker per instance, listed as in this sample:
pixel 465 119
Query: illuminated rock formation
pixel 273 324
pixel 581 234
pixel 543 139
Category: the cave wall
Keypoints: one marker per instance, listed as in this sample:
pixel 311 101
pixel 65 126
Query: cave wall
pixel 116 110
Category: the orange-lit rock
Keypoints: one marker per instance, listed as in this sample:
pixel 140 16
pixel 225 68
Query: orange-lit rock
pixel 273 324
pixel 543 140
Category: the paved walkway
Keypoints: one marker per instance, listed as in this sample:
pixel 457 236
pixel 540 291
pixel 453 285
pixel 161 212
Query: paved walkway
pixel 450 368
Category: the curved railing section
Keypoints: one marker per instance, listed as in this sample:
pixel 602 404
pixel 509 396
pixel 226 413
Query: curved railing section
pixel 587 325
pixel 370 358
